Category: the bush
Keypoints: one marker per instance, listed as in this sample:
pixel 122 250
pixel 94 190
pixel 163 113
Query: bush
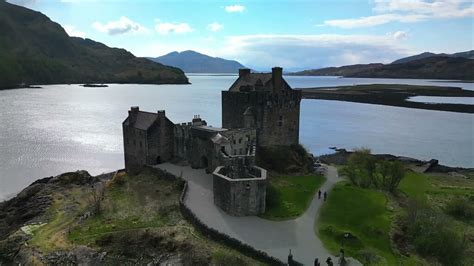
pixel 432 235
pixel 461 208
pixel 285 159
pixel 365 170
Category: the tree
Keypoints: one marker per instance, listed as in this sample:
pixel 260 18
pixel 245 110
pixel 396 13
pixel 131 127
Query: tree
pixel 360 168
pixel 97 195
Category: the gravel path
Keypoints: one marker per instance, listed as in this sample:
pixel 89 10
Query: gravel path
pixel 274 237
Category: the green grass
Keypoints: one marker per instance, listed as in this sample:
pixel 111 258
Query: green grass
pixel 143 201
pixel 362 213
pixel 290 196
pixel 436 190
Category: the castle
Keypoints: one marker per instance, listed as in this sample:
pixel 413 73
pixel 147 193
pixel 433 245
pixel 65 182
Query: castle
pixel 259 109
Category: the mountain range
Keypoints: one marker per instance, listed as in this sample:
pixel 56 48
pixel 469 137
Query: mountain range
pixel 36 50
pixel 458 66
pixel 468 54
pixel 194 62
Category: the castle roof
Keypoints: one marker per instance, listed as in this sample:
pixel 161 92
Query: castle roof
pixel 248 81
pixel 219 139
pixel 143 120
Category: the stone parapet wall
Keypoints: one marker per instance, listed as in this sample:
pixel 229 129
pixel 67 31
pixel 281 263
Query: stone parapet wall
pixel 240 196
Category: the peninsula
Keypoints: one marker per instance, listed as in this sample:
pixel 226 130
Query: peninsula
pixel 393 95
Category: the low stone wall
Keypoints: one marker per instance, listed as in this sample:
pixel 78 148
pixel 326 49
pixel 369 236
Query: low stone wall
pixel 214 234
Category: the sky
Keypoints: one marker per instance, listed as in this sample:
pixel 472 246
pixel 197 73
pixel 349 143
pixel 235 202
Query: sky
pixel 261 34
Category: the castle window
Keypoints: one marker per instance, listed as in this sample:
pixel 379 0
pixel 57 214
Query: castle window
pixel 240 140
pixel 141 144
pixel 280 121
pixel 135 142
pixel 235 152
pixel 240 151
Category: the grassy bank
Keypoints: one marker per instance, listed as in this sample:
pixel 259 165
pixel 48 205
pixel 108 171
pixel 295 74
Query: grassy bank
pixel 364 214
pixel 139 220
pixel 290 196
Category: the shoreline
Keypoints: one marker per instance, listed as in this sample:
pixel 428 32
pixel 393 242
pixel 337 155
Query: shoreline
pixel 339 156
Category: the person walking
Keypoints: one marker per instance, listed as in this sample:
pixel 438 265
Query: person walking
pixel 325 195
pixel 319 194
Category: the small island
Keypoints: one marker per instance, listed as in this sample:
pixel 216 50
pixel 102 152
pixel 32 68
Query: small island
pixel 393 95
pixel 90 85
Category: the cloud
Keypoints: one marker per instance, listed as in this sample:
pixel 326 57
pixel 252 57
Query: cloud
pixel 121 26
pixel 400 35
pixel 215 26
pixel 407 11
pixel 166 28
pixel 311 51
pixel 373 20
pixel 234 8
pixel 73 32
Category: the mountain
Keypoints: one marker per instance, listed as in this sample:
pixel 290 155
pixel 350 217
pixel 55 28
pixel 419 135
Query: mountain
pixel 436 67
pixel 337 71
pixel 194 62
pixel 456 66
pixel 36 50
pixel 467 54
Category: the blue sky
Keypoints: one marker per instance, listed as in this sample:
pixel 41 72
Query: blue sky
pixel 261 34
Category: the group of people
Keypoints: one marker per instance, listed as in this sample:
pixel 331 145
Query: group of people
pixel 325 195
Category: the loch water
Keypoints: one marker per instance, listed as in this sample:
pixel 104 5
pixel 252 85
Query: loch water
pixel 62 128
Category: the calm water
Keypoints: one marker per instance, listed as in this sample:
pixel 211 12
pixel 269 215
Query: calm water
pixel 436 99
pixel 63 128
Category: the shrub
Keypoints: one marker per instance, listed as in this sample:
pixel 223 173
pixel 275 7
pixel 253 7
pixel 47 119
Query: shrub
pixel 365 170
pixel 461 208
pixel 432 235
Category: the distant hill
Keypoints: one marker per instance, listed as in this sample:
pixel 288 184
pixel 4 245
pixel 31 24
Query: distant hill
pixel 36 50
pixel 337 71
pixel 438 67
pixel 468 54
pixel 457 66
pixel 194 62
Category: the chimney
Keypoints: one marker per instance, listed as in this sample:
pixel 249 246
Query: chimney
pixel 244 72
pixel 197 121
pixel 132 114
pixel 277 77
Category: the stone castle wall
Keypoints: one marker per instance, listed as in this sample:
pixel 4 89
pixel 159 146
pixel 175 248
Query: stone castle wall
pixel 276 114
pixel 240 197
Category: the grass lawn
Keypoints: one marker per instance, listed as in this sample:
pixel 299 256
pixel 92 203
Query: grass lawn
pixel 290 196
pixel 362 213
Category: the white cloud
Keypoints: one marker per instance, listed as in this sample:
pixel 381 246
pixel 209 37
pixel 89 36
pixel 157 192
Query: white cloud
pixel 400 35
pixel 166 27
pixel 215 26
pixel 311 51
pixel 121 26
pixel 408 11
pixel 234 8
pixel 373 20
pixel 73 32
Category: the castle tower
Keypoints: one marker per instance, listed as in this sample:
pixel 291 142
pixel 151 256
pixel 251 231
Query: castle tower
pixel 264 101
